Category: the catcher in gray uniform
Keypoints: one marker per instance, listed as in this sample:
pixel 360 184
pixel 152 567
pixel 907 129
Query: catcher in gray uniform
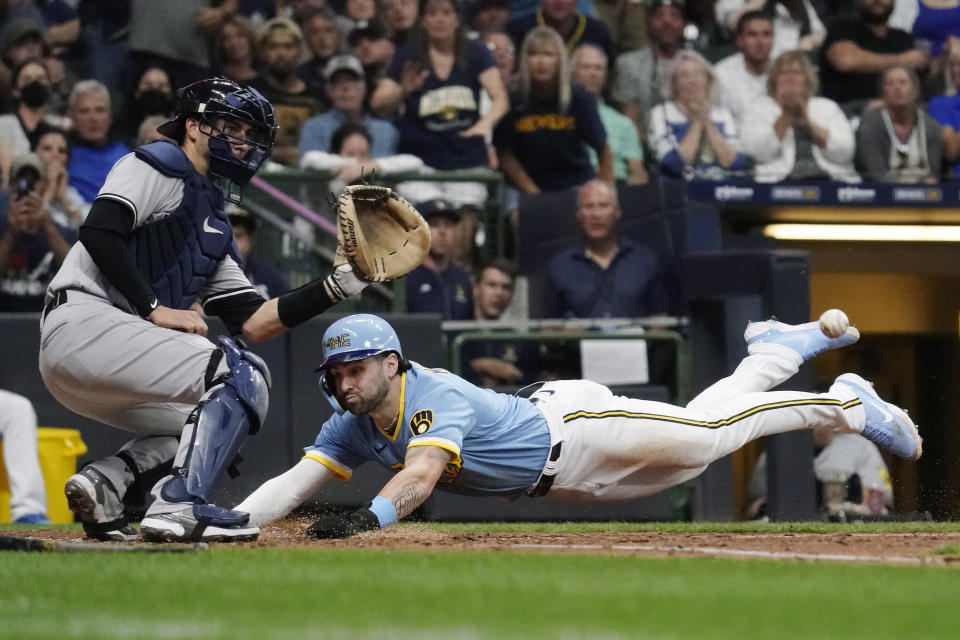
pixel 123 339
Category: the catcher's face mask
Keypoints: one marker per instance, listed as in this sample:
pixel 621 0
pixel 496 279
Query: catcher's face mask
pixel 240 123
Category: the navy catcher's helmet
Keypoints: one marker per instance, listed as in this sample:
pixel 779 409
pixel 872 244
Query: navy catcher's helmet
pixel 357 337
pixel 208 100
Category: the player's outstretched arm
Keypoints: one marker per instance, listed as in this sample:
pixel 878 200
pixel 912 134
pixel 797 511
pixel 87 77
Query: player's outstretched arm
pixel 405 492
pixel 295 307
pixel 278 496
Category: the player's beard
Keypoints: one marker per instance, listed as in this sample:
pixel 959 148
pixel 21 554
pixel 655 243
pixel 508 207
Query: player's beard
pixel 358 404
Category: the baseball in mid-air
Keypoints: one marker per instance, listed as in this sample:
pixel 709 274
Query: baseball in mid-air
pixel 834 323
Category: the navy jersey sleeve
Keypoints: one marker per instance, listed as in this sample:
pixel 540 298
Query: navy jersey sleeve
pixel 589 126
pixel 480 57
pixel 395 70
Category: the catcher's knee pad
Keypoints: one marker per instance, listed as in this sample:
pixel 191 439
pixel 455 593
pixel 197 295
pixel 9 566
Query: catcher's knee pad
pixel 249 377
pixel 234 407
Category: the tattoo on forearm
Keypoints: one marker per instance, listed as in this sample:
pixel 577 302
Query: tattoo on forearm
pixel 408 499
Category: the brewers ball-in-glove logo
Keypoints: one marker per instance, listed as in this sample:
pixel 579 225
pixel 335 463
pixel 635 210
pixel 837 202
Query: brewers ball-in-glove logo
pixel 421 421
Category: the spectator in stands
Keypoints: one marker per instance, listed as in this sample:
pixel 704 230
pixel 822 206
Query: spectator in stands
pixel 562 16
pixel 855 52
pixel 63 202
pixel 639 76
pixel 490 16
pixel 796 25
pixel 350 158
pixel 263 275
pixel 945 109
pixel 22 40
pixel 152 97
pixel 541 143
pixel 504 53
pixel 19 131
pixel 850 472
pixel 104 25
pixel 520 8
pixel 794 134
pixel 94 152
pixel 281 44
pixel 438 285
pixel 178 41
pixel 324 41
pixel 606 274
pixel 374 50
pixel 18 428
pixel 627 22
pixel 437 77
pixel 346 89
pixel 401 16
pixel 356 13
pixel 235 50
pixel 900 142
pixel 937 29
pixel 495 363
pixel 690 132
pixel 32 244
pixel 742 77
pixel 590 70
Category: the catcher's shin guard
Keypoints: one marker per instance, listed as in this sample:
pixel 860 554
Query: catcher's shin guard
pixel 231 409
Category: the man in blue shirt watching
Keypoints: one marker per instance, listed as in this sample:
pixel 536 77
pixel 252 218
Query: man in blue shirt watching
pixel 94 151
pixel 605 275
pixel 438 285
pixel 346 89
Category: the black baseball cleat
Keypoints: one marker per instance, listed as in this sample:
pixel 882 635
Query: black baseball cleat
pixel 92 499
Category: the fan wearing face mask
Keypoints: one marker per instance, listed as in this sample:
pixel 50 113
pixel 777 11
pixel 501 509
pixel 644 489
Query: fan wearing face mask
pixel 30 88
pixel 152 97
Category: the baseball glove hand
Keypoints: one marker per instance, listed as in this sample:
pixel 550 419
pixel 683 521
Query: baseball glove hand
pixel 344 526
pixel 379 233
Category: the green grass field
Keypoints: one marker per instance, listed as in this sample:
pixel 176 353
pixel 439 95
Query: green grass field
pixel 226 592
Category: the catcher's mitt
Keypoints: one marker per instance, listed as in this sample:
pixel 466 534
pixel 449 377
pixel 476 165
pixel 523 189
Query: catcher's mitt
pixel 378 232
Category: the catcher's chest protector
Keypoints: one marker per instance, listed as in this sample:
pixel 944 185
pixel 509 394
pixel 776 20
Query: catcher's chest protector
pixel 178 253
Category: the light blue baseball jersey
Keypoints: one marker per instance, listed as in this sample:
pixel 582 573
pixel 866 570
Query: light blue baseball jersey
pixel 499 443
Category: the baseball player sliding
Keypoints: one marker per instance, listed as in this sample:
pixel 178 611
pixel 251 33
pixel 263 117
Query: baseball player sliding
pixel 572 440
pixel 123 340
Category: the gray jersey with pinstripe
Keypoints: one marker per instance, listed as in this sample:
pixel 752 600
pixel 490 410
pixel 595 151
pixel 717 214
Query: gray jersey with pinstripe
pixel 102 360
pixel 149 195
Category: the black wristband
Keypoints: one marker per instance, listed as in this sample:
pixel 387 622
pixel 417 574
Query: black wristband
pixel 297 306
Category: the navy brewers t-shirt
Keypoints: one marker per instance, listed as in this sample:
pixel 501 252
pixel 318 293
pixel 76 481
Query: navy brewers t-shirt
pixel 439 110
pixel 550 144
pixel 448 292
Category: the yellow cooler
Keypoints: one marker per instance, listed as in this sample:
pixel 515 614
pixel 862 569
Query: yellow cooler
pixel 58 450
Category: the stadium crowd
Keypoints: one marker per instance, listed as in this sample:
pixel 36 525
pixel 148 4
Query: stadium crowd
pixel 552 93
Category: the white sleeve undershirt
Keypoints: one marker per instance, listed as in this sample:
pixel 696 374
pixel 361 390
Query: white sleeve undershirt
pixel 277 497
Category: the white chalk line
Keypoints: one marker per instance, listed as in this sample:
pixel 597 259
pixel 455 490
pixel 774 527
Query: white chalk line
pixel 741 553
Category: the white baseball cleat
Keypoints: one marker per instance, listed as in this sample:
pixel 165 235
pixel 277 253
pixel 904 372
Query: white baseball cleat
pixel 806 340
pixel 886 425
pixel 206 523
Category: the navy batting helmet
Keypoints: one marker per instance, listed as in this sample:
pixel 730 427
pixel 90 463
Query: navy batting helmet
pixel 221 98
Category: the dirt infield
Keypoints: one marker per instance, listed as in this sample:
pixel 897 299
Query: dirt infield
pixel 892 548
